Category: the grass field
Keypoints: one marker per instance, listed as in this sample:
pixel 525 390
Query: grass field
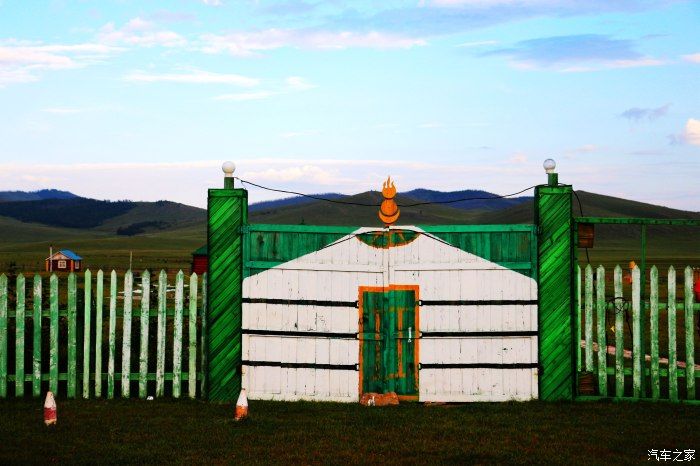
pixel 165 431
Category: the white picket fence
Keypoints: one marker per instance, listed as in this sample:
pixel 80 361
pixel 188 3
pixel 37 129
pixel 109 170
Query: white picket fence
pixel 651 375
pixel 80 327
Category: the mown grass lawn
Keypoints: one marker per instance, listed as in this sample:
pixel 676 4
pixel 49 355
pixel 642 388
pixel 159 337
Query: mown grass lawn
pixel 165 431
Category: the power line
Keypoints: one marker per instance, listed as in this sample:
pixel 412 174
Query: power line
pixel 362 204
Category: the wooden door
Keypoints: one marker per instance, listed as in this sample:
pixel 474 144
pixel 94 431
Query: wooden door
pixel 389 347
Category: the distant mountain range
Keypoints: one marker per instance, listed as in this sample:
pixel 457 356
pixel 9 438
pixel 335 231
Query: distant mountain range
pixel 66 210
pixel 63 209
pixel 12 196
pixel 164 233
pixel 478 200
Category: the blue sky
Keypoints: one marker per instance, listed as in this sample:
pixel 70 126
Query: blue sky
pixel 144 100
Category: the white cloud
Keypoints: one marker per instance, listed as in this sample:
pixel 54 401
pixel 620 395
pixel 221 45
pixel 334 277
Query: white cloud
pixel 430 125
pixel 193 77
pixel 491 3
pixel 298 84
pixel 63 110
pixel 308 173
pixel 250 43
pixel 691 132
pixel 584 149
pixel 140 32
pixel 694 58
pixel 213 2
pixel 478 43
pixel 296 134
pixel 20 61
pixel 615 64
pixel 517 158
pixel 243 96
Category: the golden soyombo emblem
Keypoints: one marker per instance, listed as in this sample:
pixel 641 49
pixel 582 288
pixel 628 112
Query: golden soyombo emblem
pixel 389 212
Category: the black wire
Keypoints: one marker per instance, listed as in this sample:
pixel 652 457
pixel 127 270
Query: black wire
pixel 362 204
pixel 467 199
pixel 318 198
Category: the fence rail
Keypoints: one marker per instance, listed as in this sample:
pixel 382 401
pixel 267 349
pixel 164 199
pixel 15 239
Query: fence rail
pixel 624 372
pixel 71 341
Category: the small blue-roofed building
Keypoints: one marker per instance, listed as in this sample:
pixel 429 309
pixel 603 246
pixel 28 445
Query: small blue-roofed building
pixel 64 260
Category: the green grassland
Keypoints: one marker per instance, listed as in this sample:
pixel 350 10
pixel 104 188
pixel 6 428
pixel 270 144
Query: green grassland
pixel 169 249
pixel 193 432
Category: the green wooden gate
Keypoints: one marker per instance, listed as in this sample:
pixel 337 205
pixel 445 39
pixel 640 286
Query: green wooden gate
pixel 390 350
pixel 389 347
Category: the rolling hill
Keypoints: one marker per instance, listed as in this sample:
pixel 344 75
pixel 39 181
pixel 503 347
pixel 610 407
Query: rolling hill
pixel 12 196
pixel 163 234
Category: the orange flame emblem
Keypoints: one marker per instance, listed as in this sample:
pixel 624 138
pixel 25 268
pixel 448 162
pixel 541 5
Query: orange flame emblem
pixel 389 212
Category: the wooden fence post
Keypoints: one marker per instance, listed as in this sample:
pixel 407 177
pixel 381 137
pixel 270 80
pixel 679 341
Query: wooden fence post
pixel 177 335
pixel 227 215
pixel 654 332
pixel 145 310
pixel 689 333
pixel 86 333
pixel 557 357
pixel 619 334
pixel 36 346
pixel 3 336
pixel 53 338
pixel 160 334
pixel 192 339
pixel 600 327
pixel 99 298
pixel 672 359
pixel 19 338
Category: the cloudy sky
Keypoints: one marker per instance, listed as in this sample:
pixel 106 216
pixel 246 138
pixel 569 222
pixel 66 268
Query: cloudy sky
pixel 144 100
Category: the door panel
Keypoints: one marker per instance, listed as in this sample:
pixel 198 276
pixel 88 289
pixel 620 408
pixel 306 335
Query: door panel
pixel 388 340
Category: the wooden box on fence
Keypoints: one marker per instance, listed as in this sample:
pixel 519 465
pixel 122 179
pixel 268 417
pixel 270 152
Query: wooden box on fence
pixel 586 234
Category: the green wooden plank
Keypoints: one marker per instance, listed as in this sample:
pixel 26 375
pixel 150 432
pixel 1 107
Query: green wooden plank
pixel 36 345
pixel 600 326
pixel 160 342
pixel 19 337
pixel 126 333
pixel 112 333
pixel 636 335
pixel 145 313
pixel 619 335
pixel 578 319
pixel 3 336
pixel 556 292
pixel 86 333
pixel 177 335
pixel 192 338
pixel 589 318
pixel 227 214
pixel 654 332
pixel 204 368
pixel 53 334
pixel 72 336
pixel 99 297
pixel 689 334
pixel 672 358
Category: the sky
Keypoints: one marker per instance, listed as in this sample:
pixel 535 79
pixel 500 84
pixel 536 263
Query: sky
pixel 144 100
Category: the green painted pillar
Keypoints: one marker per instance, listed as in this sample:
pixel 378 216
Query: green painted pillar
pixel 227 214
pixel 555 250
